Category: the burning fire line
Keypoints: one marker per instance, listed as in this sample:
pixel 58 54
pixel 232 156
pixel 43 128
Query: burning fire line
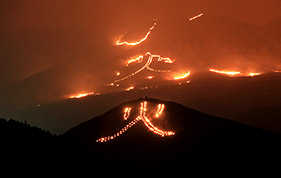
pixel 195 17
pixel 118 43
pixel 182 76
pixel 231 73
pixel 234 73
pixel 81 95
pixel 142 117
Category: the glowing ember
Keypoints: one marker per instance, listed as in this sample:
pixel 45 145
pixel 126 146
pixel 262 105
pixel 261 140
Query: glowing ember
pixel 254 74
pixel 231 73
pixel 195 17
pixel 118 73
pixel 150 77
pixel 137 42
pixel 142 117
pixel 81 95
pixel 182 76
pixel 130 88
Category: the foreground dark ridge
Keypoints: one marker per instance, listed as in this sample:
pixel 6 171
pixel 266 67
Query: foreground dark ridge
pixel 200 141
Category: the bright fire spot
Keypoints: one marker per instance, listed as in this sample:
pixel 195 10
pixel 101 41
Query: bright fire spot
pixel 160 110
pixel 137 42
pixel 182 76
pixel 195 17
pixel 130 88
pixel 139 59
pixel 81 95
pixel 150 77
pixel 141 117
pixel 118 73
pixel 254 74
pixel 127 112
pixel 231 73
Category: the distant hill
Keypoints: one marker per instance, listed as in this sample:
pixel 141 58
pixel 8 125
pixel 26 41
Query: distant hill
pixel 200 140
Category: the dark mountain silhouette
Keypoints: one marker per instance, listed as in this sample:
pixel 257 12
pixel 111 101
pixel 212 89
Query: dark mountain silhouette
pixel 200 140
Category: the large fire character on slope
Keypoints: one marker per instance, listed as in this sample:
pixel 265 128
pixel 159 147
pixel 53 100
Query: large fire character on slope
pixel 146 120
pixel 148 55
pixel 146 65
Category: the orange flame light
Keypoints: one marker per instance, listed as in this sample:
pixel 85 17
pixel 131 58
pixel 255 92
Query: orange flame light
pixel 142 117
pixel 81 95
pixel 254 74
pixel 231 73
pixel 182 76
pixel 130 88
pixel 195 17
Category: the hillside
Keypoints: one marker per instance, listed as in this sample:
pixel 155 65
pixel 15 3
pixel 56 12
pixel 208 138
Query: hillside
pixel 251 100
pixel 199 140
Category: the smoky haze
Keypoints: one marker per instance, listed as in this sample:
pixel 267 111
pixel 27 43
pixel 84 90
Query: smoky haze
pixel 51 48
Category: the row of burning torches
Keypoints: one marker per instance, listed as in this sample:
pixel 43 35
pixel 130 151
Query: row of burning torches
pixel 141 117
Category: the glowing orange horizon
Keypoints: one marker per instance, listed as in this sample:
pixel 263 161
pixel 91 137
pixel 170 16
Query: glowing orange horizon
pixel 118 43
pixel 182 76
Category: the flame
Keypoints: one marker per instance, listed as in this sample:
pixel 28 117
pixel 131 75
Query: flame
pixel 118 73
pixel 231 73
pixel 130 88
pixel 150 77
pixel 137 42
pixel 81 95
pixel 254 74
pixel 182 76
pixel 195 17
pixel 141 117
